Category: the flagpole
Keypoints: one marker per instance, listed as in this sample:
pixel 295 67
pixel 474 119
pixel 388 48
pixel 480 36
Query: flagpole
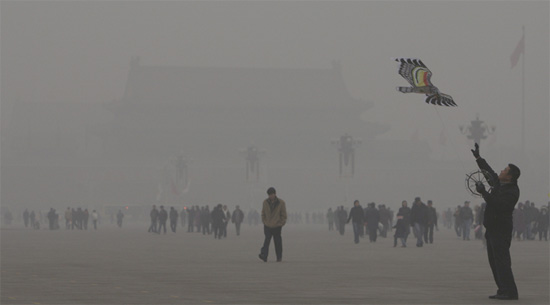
pixel 523 94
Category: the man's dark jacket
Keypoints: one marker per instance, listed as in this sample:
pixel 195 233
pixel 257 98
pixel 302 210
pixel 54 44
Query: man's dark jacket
pixel 432 216
pixel 356 215
pixel 419 214
pixel 238 216
pixel 154 215
pixel 173 215
pixel 466 213
pixel 406 212
pixel 372 217
pixel 384 215
pixel 342 216
pixel 218 216
pixel 163 216
pixel 500 202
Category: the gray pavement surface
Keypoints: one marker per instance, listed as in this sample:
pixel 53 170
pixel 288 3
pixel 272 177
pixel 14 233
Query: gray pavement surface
pixel 131 266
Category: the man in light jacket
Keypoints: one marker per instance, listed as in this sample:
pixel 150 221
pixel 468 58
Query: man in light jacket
pixel 274 218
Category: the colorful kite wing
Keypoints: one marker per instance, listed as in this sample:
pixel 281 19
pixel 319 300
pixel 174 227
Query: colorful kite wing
pixel 421 77
pixel 414 71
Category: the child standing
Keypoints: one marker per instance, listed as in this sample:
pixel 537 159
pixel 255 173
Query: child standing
pixel 400 231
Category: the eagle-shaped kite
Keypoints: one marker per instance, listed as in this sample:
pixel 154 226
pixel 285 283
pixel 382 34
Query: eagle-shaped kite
pixel 418 75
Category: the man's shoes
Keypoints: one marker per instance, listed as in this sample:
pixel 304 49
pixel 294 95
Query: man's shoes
pixel 262 258
pixel 493 296
pixel 505 297
pixel 279 260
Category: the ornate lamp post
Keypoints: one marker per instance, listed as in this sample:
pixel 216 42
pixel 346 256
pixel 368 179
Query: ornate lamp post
pixel 346 152
pixel 477 130
pixel 252 155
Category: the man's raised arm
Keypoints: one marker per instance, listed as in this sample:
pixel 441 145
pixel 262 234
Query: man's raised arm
pixel 482 164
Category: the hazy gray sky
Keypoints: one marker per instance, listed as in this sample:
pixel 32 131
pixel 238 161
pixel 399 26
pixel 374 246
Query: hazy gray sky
pixel 79 51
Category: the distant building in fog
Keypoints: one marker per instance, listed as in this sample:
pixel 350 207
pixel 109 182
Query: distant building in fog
pixel 116 149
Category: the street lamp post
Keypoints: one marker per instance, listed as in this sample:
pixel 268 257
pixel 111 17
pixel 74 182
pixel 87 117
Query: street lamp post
pixel 477 130
pixel 252 155
pixel 346 152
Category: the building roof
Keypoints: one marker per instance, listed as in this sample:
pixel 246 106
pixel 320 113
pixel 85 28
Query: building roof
pixel 238 87
pixel 167 108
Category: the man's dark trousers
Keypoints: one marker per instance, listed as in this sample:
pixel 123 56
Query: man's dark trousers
pixel 429 234
pixel 357 231
pixel 153 227
pixel 276 234
pixel 160 226
pixel 498 251
pixel 238 228
pixel 173 226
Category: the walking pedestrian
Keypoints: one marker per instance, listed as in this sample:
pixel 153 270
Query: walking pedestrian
pixel 173 219
pixel 357 217
pixel 342 216
pixel 191 219
pixel 458 221
pixel 419 219
pixel 52 218
pixel 119 217
pixel 26 217
pixel 372 218
pixel 227 217
pixel 95 218
pixel 400 231
pixel 274 218
pixel 542 223
pixel 432 222
pixel 237 218
pixel 405 211
pixel 154 214
pixel 218 217
pixel 467 218
pixel 162 218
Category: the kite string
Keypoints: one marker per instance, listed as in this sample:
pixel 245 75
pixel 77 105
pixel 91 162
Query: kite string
pixel 452 143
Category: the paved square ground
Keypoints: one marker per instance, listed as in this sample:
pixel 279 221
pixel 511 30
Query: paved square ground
pixel 131 266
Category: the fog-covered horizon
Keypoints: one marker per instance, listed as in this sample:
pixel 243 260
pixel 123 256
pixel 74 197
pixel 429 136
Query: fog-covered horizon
pixel 82 124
